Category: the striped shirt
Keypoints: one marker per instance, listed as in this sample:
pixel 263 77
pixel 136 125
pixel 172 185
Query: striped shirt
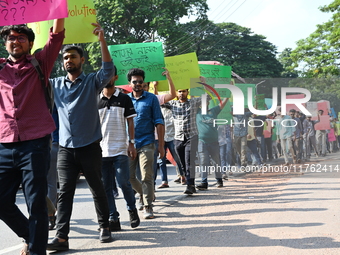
pixel 113 113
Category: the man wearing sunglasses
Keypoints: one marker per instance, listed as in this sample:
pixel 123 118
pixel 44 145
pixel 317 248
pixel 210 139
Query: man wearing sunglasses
pixel 26 125
pixel 149 116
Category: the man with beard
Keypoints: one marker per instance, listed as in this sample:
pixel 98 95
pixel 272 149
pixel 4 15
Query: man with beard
pixel 149 116
pixel 26 125
pixel 116 113
pixel 79 136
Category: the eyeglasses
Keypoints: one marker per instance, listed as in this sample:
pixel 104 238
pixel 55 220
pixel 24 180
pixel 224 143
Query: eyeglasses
pixel 20 38
pixel 139 82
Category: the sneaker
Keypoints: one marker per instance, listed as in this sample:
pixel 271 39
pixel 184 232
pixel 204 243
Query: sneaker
pixel 148 212
pixel 134 218
pixel 183 180
pixel 178 180
pixel 202 186
pixel 219 184
pixel 163 185
pixel 190 190
pixel 114 225
pixel 141 204
pixel 286 164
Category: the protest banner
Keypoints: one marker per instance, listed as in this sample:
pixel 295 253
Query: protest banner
pixel 260 102
pixel 324 123
pixel 244 88
pixel 78 28
pixel 215 74
pixel 324 105
pixel 146 56
pixel 293 106
pixel 268 102
pixel 184 72
pixel 312 107
pixel 20 12
pixel 333 113
pixel 331 135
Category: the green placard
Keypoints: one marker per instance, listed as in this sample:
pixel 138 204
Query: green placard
pixel 215 74
pixel 146 56
pixel 244 88
pixel 260 102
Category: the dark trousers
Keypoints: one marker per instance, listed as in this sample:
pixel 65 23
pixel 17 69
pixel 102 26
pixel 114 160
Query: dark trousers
pixel 72 161
pixel 186 151
pixel 26 162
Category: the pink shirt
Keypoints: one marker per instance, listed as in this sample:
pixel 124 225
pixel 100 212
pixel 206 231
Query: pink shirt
pixel 23 110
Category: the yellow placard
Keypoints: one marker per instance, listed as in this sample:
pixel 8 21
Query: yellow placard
pixel 78 28
pixel 182 69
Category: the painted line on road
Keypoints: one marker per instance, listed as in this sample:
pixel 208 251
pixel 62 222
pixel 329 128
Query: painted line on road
pixel 13 248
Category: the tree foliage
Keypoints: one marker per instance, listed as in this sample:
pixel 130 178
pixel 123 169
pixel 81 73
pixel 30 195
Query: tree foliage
pixel 287 64
pixel 318 55
pixel 249 54
pixel 136 21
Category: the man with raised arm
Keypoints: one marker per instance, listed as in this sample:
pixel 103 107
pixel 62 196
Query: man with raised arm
pixel 76 96
pixel 26 125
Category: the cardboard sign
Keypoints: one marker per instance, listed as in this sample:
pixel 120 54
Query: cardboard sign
pixel 324 123
pixel 146 56
pixel 183 70
pixel 78 28
pixel 14 12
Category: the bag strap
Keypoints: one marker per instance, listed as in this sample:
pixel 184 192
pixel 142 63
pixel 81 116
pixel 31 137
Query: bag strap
pixel 47 89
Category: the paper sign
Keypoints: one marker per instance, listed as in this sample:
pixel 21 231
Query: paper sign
pixel 14 12
pixel 244 88
pixel 182 69
pixel 268 102
pixel 78 28
pixel 260 102
pixel 324 123
pixel 331 136
pixel 293 106
pixel 215 74
pixel 146 56
pixel 312 107
pixel 324 105
pixel 333 113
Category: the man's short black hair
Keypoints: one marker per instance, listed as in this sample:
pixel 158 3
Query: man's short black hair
pixel 70 47
pixel 292 110
pixel 135 72
pixel 20 29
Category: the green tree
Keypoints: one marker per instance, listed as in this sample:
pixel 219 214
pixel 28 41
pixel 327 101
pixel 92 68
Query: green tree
pixel 249 54
pixel 318 54
pixel 288 64
pixel 136 21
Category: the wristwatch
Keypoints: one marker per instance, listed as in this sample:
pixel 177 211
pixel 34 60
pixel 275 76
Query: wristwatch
pixel 132 141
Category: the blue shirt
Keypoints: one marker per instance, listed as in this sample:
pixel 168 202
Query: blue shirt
pixel 240 124
pixel 148 116
pixel 286 131
pixel 77 106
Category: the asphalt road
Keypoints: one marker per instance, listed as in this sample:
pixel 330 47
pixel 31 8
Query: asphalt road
pixel 295 211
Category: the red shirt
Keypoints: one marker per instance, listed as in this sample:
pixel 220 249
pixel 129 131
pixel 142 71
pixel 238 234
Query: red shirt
pixel 23 110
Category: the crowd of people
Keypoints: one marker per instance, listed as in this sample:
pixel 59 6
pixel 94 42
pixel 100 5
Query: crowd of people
pixel 110 136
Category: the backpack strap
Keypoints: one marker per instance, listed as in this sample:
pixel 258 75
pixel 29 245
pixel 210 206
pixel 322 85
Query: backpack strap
pixel 47 87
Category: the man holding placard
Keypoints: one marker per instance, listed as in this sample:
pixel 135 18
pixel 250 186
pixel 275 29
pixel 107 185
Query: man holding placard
pixel 79 137
pixel 26 125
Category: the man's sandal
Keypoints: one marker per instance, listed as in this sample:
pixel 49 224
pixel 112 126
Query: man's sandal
pixel 24 250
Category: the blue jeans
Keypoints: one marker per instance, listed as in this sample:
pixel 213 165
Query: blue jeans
pixel 205 152
pixel 263 149
pixel 72 161
pixel 117 167
pixel 26 162
pixel 164 172
pixel 252 145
